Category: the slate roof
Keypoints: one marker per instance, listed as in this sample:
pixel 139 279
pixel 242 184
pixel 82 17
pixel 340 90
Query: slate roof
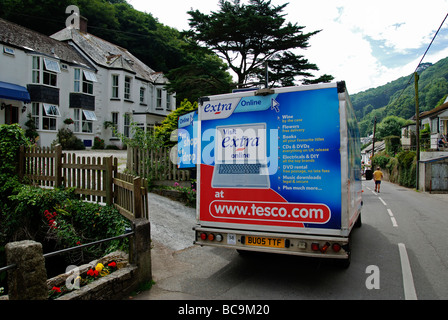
pixel 109 55
pixel 16 36
pixel 435 111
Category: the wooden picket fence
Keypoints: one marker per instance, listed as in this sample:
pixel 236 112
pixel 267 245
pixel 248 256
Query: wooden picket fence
pixel 155 165
pixel 93 178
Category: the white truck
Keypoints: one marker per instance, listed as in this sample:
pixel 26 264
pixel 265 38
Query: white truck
pixel 279 170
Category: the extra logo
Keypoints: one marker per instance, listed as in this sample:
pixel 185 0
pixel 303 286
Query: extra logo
pixel 217 108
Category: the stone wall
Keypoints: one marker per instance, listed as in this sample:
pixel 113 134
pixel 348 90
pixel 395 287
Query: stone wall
pixel 28 280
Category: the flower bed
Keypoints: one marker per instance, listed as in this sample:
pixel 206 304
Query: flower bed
pixel 106 278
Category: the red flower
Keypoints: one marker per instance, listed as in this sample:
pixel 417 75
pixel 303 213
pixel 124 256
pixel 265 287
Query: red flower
pixel 90 273
pixel 113 264
pixel 56 289
pixel 95 273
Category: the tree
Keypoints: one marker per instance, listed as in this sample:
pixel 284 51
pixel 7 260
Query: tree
pixel 203 73
pixel 249 36
pixel 170 123
pixel 390 126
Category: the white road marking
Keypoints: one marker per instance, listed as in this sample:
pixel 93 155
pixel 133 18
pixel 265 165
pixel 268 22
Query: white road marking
pixel 382 201
pixel 394 222
pixel 392 218
pixel 408 280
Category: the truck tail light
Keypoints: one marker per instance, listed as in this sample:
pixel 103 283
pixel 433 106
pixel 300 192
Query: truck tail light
pixel 203 236
pixel 336 247
pixel 218 237
pixel 325 247
pixel 315 246
pixel 211 237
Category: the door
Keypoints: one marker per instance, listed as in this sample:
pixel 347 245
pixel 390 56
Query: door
pixel 11 114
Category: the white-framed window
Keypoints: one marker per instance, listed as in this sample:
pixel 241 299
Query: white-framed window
pixel 168 102
pixel 114 123
pixel 35 107
pixel 36 70
pixel 142 95
pixel 77 120
pixel 50 113
pixel 45 71
pixel 84 82
pixel 127 88
pixel 127 125
pixel 435 125
pixel 83 120
pixel 9 51
pixel 77 82
pixel 159 99
pixel 115 86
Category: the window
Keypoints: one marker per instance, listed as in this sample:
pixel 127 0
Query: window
pixel 9 51
pixel 35 114
pixel 50 113
pixel 435 125
pixel 77 121
pixel 85 82
pixel 87 85
pixel 51 65
pixel 127 88
pixel 83 120
pixel 90 76
pixel 77 86
pixel 115 86
pixel 159 99
pixel 168 102
pixel 114 124
pixel 46 72
pixel 127 125
pixel 36 69
pixel 142 95
pixel 89 115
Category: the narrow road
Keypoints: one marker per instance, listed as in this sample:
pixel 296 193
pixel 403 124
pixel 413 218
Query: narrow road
pixel 399 253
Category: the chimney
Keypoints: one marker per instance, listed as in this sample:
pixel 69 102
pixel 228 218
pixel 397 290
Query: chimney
pixel 83 21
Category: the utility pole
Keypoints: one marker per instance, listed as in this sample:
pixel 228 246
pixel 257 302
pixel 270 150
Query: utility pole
pixel 417 130
pixel 373 140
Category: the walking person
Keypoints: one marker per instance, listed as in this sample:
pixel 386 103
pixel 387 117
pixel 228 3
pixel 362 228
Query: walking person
pixel 377 176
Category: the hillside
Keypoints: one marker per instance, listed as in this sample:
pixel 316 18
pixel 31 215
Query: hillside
pixel 385 100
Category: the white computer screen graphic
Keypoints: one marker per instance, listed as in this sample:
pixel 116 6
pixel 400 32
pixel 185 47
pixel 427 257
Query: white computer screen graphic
pixel 241 144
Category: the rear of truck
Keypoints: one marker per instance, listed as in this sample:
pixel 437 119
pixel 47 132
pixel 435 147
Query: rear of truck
pixel 279 171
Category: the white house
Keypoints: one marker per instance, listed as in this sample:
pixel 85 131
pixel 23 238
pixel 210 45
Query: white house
pixel 76 75
pixel 437 119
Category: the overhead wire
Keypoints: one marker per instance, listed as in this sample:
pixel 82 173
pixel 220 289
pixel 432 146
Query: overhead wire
pixel 421 60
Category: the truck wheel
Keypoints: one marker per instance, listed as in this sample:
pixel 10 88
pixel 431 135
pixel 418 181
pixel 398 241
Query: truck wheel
pixel 345 263
pixel 358 222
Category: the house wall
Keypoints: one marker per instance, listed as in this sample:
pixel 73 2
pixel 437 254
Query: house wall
pixel 17 69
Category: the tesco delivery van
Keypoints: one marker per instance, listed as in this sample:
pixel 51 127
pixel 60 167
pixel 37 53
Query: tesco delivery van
pixel 279 170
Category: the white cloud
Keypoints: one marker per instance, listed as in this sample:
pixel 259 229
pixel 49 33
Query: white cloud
pixel 356 35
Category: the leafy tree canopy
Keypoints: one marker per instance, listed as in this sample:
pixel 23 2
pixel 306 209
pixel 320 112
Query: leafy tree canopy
pixel 248 36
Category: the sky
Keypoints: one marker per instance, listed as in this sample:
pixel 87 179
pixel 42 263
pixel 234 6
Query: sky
pixel 365 43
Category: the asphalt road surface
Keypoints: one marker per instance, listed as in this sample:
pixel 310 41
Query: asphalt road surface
pixel 399 253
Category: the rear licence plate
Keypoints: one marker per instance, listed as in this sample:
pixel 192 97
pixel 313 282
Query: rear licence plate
pixel 265 242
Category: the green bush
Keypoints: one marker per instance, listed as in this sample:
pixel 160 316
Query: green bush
pixel 58 218
pixel 380 160
pixel 68 140
pixel 98 143
pixel 11 138
pixel 407 162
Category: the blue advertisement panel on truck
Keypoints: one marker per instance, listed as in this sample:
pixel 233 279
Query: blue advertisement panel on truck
pixel 279 170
